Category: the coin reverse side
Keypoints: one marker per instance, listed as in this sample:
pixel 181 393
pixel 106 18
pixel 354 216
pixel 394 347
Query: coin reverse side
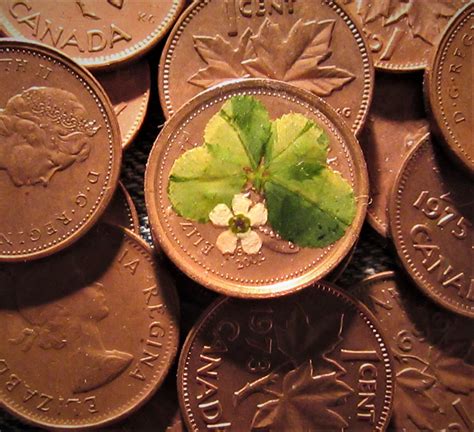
pixel 96 34
pixel 87 334
pixel 448 87
pixel 433 359
pixel 311 44
pixel 431 224
pixel 312 361
pixel 279 267
pixel 60 151
pixel 402 34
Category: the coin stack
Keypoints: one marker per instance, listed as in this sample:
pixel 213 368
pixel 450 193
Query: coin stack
pixel 281 126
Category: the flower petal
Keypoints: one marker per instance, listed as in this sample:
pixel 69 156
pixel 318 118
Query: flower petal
pixel 241 204
pixel 227 242
pixel 251 242
pixel 220 215
pixel 258 215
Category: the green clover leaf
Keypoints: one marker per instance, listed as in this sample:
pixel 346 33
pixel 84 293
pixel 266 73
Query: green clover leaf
pixel 235 140
pixel 284 160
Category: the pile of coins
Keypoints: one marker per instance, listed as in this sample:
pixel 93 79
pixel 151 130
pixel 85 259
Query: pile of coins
pixel 289 123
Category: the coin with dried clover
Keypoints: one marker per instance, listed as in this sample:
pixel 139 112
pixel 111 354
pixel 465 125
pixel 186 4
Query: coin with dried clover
pixel 253 171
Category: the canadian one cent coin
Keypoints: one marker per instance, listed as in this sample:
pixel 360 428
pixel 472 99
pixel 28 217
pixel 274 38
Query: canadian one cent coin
pixel 87 334
pixel 256 188
pixel 431 217
pixel 401 34
pixel 448 87
pixel 60 151
pixel 311 44
pixel 310 362
pixel 396 122
pixel 433 357
pixel 96 34
pixel 122 211
pixel 128 89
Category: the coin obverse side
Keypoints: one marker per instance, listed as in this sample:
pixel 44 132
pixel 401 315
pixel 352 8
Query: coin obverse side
pixel 396 122
pixel 431 213
pixel 401 34
pixel 87 334
pixel 432 348
pixel 448 87
pixel 312 361
pixel 278 266
pixel 312 44
pixel 129 91
pixel 96 34
pixel 60 151
pixel 122 211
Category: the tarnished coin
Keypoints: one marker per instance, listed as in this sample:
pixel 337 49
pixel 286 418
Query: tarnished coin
pixel 129 91
pixel 396 122
pixel 448 87
pixel 60 151
pixel 96 34
pixel 311 362
pixel 401 34
pixel 433 352
pixel 87 334
pixel 256 188
pixel 122 211
pixel 431 217
pixel 312 44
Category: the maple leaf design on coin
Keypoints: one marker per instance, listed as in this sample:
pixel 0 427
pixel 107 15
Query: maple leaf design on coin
pixel 414 400
pixel 305 403
pixel 293 56
pixel 306 385
pixel 240 221
pixel 283 162
pixel 423 17
pixel 296 58
pixel 223 61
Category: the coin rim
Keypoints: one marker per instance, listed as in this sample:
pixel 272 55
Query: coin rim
pixel 331 288
pixel 399 239
pixel 432 89
pixel 173 342
pixel 217 283
pixel 353 26
pixel 128 54
pixel 79 73
pixel 131 210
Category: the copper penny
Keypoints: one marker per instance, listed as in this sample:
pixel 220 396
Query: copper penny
pixel 311 44
pixel 129 91
pixel 122 211
pixel 431 217
pixel 310 362
pixel 60 151
pixel 396 122
pixel 434 361
pixel 274 199
pixel 87 334
pixel 448 87
pixel 96 34
pixel 401 34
